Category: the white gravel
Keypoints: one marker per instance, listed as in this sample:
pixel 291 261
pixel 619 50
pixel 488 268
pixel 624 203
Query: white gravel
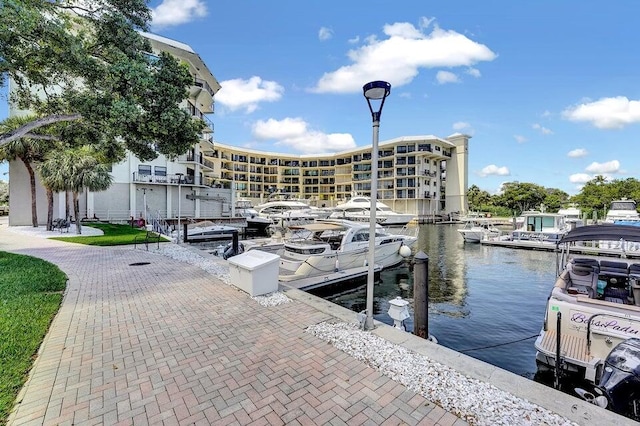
pixel 218 268
pixel 477 402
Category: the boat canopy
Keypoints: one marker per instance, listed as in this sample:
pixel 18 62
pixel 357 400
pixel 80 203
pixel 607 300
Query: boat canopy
pixel 606 232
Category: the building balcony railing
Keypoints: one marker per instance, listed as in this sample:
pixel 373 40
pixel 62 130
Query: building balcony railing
pixel 198 82
pixel 170 179
pixel 430 174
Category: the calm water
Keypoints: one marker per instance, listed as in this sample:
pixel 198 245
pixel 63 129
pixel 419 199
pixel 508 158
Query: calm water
pixel 478 296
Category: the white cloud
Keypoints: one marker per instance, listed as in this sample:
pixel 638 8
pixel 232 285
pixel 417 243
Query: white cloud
pixel 425 22
pixel 493 170
pixel 612 166
pixel 546 114
pixel 542 129
pixel 606 113
pixel 578 153
pixel 295 134
pixel 399 57
pixel 325 33
pixel 176 12
pixel 580 178
pixel 247 94
pixel 460 125
pixel 444 77
pixel 520 138
pixel 474 72
pixel 354 40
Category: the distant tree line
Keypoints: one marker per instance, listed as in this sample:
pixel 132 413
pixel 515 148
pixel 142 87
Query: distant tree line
pixel 516 197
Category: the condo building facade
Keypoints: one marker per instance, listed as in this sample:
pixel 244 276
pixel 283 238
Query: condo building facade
pixel 423 175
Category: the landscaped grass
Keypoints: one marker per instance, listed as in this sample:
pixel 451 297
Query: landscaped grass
pixel 30 295
pixel 114 235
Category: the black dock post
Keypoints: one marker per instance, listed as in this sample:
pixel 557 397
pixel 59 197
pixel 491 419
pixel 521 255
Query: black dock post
pixel 421 295
pixel 234 241
pixel 184 233
pixel 558 369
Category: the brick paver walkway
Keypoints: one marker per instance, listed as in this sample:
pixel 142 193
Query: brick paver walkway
pixel 167 343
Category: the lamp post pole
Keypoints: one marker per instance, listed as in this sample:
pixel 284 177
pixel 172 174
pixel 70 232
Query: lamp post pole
pixel 373 91
pixel 179 204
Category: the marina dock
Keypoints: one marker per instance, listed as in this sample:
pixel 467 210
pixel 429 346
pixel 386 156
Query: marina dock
pixel 583 250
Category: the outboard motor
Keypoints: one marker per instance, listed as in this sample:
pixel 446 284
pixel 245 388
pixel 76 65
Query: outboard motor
pixel 620 381
pixel 230 252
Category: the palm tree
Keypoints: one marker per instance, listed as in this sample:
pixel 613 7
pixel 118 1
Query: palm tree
pixel 84 172
pixel 53 180
pixel 27 150
pixel 75 170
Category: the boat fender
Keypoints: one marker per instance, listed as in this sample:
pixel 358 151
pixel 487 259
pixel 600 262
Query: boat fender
pixel 337 265
pixel 404 251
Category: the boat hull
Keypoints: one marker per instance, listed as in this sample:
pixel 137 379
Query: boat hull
pixel 588 332
pixel 387 255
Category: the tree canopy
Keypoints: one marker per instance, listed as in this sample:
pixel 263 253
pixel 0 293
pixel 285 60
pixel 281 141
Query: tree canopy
pixel 516 197
pixel 85 64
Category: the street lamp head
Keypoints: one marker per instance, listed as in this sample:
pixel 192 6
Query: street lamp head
pixel 376 91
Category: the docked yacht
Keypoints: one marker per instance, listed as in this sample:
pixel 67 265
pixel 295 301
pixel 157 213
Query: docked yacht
pixel 358 208
pixel 285 211
pixel 539 228
pixel 592 319
pixel 475 230
pixel 334 244
pixel 572 216
pixel 622 210
pixel 209 231
pixel 255 223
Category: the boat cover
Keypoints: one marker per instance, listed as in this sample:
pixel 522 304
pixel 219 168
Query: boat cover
pixel 604 232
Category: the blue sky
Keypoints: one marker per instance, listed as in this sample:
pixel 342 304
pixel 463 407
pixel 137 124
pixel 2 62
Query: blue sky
pixel 549 90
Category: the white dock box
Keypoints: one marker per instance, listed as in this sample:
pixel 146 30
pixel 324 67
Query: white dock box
pixel 255 272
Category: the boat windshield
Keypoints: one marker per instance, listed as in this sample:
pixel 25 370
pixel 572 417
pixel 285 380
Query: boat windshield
pixel 623 205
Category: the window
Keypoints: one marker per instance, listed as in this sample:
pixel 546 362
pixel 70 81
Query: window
pixel 144 170
pixel 160 171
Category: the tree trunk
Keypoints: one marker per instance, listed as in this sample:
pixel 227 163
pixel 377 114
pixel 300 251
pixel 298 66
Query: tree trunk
pixel 76 212
pixel 67 203
pixel 32 181
pixel 49 210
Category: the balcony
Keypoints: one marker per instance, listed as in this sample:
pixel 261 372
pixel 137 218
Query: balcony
pixel 168 179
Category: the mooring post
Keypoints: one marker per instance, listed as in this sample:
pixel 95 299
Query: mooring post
pixel 184 233
pixel 558 366
pixel 234 241
pixel 421 295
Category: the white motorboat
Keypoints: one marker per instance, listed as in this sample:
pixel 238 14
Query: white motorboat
pixel 358 208
pixel 476 230
pixel 622 210
pixel 593 312
pixel 285 211
pixel 255 223
pixel 572 216
pixel 538 228
pixel 209 231
pixel 335 244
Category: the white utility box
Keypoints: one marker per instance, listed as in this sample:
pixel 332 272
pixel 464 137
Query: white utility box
pixel 255 272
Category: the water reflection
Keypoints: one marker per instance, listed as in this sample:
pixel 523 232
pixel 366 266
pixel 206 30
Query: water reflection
pixel 479 296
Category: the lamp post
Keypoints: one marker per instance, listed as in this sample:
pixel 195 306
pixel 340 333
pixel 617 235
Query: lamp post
pixel 179 204
pixel 376 91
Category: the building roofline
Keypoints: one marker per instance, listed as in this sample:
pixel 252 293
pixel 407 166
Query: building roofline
pixel 186 52
pixel 425 138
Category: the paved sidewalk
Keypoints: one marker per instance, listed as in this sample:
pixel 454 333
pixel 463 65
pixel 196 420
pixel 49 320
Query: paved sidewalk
pixel 167 343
